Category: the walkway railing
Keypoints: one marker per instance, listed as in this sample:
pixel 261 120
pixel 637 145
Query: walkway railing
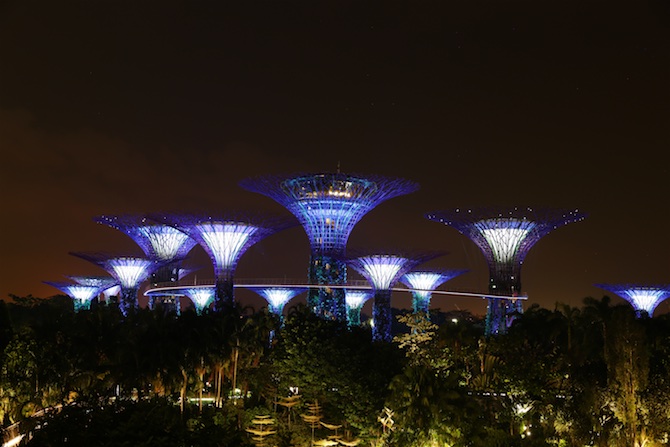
pixel 173 288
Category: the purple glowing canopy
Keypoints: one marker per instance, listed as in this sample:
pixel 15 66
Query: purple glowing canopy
pixel 81 294
pixel 277 297
pixel 328 205
pixel 201 297
pixel 642 297
pixel 156 240
pixel 505 235
pixel 226 237
pixel 383 270
pixel 424 282
pixel 129 271
pixel 104 282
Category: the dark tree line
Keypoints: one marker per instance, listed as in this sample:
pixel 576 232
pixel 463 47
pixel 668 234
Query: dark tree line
pixel 595 375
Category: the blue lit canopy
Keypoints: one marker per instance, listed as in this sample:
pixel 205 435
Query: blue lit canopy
pixel 356 298
pixel 642 297
pixel 424 283
pixel 104 282
pixel 383 270
pixel 156 240
pixel 82 295
pixel 277 297
pixel 201 297
pixel 225 238
pixel 328 205
pixel 129 271
pixel 505 235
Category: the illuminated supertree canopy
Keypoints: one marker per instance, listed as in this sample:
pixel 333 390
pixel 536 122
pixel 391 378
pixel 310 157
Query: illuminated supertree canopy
pixel 201 297
pixel 328 205
pixel 382 271
pixel 157 241
pixel 129 271
pixel 104 282
pixel 424 283
pixel 225 238
pixel 277 297
pixel 643 298
pixel 355 299
pixel 505 236
pixel 81 294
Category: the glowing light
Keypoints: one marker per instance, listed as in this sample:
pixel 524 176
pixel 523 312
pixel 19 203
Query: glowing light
pixel 112 291
pixel 381 271
pixel 505 236
pixel 82 295
pixel 167 243
pixel 156 240
pixel 226 241
pixel 201 297
pixel 328 206
pixel 277 297
pixel 423 283
pixel 130 271
pixel 505 242
pixel 356 298
pixel 642 298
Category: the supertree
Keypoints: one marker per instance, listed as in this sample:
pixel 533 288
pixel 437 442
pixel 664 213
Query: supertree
pixel 158 241
pixel 382 271
pixel 129 271
pixel 423 283
pixel 107 284
pixel 277 297
pixel 354 299
pixel 505 236
pixel 201 297
pixel 225 238
pixel 328 206
pixel 81 294
pixel 643 298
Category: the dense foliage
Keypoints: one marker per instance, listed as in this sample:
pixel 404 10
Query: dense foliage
pixel 595 375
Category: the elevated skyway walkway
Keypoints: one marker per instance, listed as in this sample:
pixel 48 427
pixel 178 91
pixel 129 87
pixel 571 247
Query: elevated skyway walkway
pixel 175 288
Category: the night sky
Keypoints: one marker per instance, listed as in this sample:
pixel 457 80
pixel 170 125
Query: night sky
pixel 147 106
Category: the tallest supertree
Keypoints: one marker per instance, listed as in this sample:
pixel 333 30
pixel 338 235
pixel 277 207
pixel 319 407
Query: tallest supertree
pixel 328 205
pixel 505 236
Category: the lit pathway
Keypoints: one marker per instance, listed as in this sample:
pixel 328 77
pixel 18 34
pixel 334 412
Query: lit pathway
pixel 174 288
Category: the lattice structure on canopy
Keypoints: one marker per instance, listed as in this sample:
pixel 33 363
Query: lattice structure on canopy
pixel 644 298
pixel 157 241
pixel 225 238
pixel 277 296
pixel 505 237
pixel 328 206
pixel 424 282
pixel 81 294
pixel 382 271
pixel 129 271
pixel 355 299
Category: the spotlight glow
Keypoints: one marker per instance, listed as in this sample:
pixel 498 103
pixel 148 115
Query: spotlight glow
pixel 130 271
pixel 641 297
pixel 225 241
pixel 201 297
